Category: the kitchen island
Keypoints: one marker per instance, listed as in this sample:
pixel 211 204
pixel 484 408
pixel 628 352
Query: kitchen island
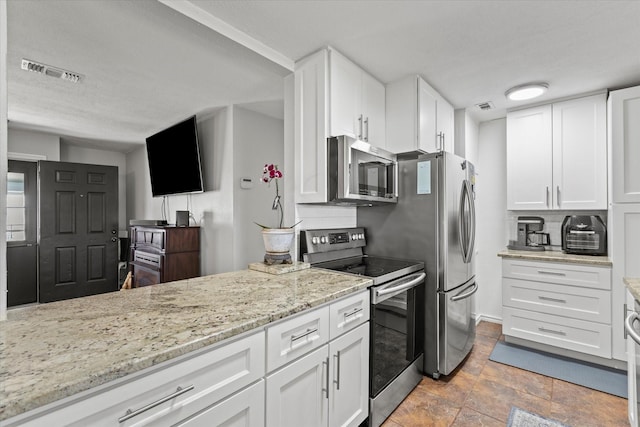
pixel 53 351
pixel 633 285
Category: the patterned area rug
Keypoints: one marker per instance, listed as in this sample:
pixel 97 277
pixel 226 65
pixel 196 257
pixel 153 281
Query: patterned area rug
pixel 521 418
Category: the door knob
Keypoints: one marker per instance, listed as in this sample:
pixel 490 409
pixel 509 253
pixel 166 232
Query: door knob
pixel 113 239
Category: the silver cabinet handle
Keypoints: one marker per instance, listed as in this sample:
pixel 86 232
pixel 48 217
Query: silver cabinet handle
pixel 131 413
pixel 628 326
pixel 366 129
pixel 326 390
pixel 351 316
pixel 552 299
pixel 552 331
pixel 552 273
pixel 558 195
pixel 360 126
pixel 337 380
pixel 546 196
pixel 440 141
pixel 308 332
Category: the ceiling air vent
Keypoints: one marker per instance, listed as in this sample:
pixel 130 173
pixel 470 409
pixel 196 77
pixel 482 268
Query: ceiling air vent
pixel 485 106
pixel 48 70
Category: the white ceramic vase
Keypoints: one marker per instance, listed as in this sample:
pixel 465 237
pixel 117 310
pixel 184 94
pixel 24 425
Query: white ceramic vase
pixel 278 241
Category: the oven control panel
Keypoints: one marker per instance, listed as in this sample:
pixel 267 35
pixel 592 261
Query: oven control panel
pixel 314 241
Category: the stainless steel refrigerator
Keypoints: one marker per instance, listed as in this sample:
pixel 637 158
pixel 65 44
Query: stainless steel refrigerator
pixel 434 222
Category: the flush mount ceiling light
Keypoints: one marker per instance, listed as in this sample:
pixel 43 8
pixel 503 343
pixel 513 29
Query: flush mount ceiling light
pixel 526 91
pixel 37 67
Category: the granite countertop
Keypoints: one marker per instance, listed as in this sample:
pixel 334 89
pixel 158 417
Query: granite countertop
pixel 633 284
pixel 51 351
pixel 556 256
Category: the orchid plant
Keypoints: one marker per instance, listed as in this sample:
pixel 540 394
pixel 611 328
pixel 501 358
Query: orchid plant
pixel 271 173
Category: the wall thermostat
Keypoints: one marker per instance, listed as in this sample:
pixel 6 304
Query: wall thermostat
pixel 246 183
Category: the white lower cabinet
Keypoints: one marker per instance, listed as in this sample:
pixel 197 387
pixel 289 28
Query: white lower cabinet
pixel 567 306
pixel 327 387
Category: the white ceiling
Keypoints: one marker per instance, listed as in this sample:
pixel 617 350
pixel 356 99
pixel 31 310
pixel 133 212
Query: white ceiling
pixel 146 66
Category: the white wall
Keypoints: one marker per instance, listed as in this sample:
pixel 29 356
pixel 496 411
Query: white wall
pixel 77 154
pixel 257 140
pixel 234 143
pixel 34 143
pixel 466 136
pixel 491 210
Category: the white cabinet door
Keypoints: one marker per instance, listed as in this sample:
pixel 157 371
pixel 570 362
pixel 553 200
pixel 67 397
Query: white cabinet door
pixel 345 82
pixel 445 124
pixel 624 110
pixel 624 226
pixel 427 114
pixel 529 159
pixel 349 358
pixel 579 153
pixel 297 394
pixel 245 409
pixel 373 111
pixel 310 132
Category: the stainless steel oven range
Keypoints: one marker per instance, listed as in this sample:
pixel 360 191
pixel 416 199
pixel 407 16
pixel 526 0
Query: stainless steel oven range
pixel 396 347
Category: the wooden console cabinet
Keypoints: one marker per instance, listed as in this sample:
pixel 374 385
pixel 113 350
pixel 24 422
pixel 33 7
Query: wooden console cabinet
pixel 164 253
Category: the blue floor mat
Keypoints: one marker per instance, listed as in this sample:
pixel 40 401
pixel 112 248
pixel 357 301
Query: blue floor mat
pixel 586 374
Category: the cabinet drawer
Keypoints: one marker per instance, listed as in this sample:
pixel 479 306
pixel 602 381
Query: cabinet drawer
pixel 150 238
pixel 296 336
pixel 571 334
pixel 570 301
pixel 348 313
pixel 204 379
pixel 245 408
pixel 587 276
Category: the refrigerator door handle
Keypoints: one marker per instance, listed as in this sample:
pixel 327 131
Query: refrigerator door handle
pixel 474 289
pixel 472 220
pixel 461 224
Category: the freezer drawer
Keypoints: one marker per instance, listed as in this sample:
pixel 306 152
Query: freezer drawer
pixel 457 326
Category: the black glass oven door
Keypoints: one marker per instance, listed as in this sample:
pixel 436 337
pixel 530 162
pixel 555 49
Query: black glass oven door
pixel 394 337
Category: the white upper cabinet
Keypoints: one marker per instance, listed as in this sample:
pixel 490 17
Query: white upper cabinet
pixel 332 97
pixel 557 156
pixel 418 118
pixel 624 136
pixel 357 102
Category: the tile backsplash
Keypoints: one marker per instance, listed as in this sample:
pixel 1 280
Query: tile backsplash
pixel 552 223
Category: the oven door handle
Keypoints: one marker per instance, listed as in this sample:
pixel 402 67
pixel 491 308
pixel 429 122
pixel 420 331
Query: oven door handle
pixel 404 284
pixel 628 326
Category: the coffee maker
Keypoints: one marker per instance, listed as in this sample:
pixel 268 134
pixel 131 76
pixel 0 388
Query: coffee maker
pixel 530 234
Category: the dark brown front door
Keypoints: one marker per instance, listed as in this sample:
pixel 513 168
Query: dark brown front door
pixel 78 230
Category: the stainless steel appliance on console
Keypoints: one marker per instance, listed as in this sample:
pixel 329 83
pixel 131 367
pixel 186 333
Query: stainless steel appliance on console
pixel 530 234
pixel 584 235
pixel 395 354
pixel 359 173
pixel 434 221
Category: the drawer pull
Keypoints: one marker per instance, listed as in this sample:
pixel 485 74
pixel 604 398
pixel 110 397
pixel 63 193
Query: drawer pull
pixel 552 273
pixel 552 331
pixel 337 380
pixel 130 414
pixel 350 316
pixel 562 301
pixel 303 335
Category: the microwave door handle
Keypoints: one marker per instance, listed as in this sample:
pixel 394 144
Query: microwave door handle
pixel 628 326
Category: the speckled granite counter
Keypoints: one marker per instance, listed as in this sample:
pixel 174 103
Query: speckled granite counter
pixel 55 350
pixel 633 284
pixel 556 256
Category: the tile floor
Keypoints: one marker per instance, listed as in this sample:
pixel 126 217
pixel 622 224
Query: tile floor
pixel 481 393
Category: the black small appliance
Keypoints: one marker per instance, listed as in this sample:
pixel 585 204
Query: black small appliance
pixel 584 235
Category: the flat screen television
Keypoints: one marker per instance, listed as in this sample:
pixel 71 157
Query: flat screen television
pixel 174 160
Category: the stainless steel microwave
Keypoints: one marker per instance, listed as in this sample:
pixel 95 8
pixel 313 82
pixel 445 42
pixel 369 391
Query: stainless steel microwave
pixel 360 174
